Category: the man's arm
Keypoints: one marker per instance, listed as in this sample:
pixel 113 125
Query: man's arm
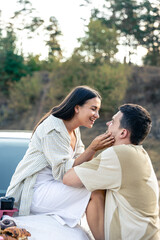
pixel 95 209
pixel 71 179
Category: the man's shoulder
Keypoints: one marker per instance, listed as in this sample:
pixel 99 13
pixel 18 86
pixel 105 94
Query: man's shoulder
pixel 121 147
pixel 128 153
pixel 124 149
pixel 128 147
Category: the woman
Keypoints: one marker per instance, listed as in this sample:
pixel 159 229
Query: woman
pixel 55 147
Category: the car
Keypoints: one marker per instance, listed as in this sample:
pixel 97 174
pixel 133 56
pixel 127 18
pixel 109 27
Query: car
pixel 13 145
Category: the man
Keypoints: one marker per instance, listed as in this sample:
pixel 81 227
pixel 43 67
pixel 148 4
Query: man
pixel 126 172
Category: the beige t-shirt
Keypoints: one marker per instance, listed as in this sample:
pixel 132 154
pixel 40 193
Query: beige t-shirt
pixel 131 206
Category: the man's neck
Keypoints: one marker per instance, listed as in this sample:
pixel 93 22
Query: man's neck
pixel 120 142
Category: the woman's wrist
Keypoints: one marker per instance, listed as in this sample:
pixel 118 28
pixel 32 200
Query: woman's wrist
pixel 91 151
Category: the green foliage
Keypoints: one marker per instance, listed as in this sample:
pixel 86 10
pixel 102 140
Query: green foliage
pixel 53 44
pixel 26 17
pixel 90 65
pixel 138 23
pixel 65 76
pixel 111 82
pixel 30 24
pixel 33 63
pixel 152 58
pixel 24 94
pixel 12 66
pixel 99 44
pixel 74 72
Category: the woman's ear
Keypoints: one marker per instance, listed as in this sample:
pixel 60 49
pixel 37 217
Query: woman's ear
pixel 76 108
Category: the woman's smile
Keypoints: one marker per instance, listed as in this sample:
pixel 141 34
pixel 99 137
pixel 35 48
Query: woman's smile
pixel 89 112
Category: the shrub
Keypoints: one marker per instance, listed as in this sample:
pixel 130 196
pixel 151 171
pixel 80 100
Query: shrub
pixel 23 94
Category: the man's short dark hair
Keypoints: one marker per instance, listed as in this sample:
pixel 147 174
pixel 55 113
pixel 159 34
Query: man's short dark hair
pixel 137 120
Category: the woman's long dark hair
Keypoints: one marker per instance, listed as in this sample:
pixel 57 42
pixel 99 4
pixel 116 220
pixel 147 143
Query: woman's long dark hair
pixel 66 110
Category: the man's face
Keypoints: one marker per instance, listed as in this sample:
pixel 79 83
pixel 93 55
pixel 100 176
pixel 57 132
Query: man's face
pixel 114 125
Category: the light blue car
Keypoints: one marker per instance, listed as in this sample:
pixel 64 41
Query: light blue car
pixel 13 145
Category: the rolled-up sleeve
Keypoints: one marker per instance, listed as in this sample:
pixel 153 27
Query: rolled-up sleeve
pixel 56 151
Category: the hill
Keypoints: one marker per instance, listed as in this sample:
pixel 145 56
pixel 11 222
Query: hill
pixel 143 88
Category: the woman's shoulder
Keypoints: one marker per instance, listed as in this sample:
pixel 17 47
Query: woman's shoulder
pixel 50 124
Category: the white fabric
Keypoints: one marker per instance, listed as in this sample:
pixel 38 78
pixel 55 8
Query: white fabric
pixel 49 146
pixel 47 228
pixel 66 204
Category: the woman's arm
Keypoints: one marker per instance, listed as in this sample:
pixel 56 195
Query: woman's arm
pixel 56 151
pixel 100 142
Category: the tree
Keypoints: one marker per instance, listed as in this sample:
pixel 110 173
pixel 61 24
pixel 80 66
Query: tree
pixel 109 79
pixel 25 19
pixel 111 82
pixel 90 65
pixel 25 93
pixel 99 44
pixel 150 32
pixel 53 44
pixel 12 66
pixel 33 63
pixel 35 25
pixel 137 22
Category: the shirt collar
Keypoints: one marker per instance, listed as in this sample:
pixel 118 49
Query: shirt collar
pixel 52 123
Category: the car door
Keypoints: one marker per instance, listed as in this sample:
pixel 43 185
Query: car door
pixel 12 151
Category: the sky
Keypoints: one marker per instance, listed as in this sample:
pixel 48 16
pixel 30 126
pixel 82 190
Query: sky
pixel 69 15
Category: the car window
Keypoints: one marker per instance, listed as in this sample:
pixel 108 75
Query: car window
pixel 11 152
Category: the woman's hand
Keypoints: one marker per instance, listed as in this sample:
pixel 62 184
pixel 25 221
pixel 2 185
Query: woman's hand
pixel 102 141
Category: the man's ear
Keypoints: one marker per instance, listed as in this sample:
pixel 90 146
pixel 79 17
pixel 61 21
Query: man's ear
pixel 124 133
pixel 76 108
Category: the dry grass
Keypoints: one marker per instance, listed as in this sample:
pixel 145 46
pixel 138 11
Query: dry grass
pixel 152 146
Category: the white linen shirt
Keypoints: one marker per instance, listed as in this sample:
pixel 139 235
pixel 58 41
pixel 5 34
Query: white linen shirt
pixel 49 146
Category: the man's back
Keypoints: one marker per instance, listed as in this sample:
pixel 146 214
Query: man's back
pixel 135 204
pixel 132 193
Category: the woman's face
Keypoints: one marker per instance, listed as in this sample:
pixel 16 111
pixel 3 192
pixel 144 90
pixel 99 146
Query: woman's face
pixel 88 113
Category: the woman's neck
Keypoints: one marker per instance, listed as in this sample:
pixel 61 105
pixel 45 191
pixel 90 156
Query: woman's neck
pixel 71 125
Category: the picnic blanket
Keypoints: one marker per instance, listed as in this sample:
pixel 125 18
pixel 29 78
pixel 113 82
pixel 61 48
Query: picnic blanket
pixel 46 227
